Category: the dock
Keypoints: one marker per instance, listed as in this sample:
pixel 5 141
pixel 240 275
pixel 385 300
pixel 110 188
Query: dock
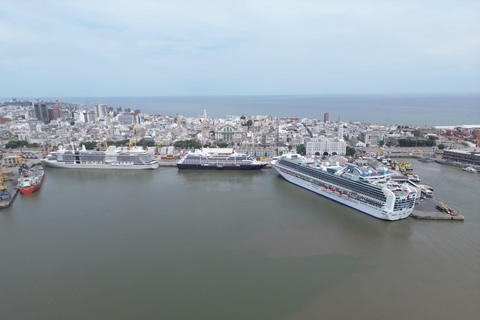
pixel 12 188
pixel 12 182
pixel 426 210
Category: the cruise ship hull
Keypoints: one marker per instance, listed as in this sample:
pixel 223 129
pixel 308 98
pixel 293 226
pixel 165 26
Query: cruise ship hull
pixel 350 202
pixel 220 167
pixel 115 166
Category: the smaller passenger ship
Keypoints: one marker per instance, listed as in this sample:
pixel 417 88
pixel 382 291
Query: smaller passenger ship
pixel 233 161
pixel 32 181
pixel 470 169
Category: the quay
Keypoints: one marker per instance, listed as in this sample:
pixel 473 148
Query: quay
pixel 12 182
pixel 427 210
pixel 12 187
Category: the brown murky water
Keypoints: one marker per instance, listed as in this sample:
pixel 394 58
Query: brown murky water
pixel 171 244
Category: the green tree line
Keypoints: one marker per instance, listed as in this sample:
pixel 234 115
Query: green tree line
pixel 16 144
pixel 415 143
pixel 188 144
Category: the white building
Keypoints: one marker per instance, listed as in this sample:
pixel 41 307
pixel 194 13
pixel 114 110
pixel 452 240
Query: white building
pixel 101 110
pixel 322 145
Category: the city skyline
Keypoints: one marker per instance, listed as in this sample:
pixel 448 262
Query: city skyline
pixel 119 48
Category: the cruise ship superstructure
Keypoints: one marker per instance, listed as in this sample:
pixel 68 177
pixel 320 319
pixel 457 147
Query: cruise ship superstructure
pixel 112 158
pixel 234 161
pixel 360 187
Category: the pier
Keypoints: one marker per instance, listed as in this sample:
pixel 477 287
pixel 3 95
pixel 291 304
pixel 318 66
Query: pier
pixel 12 187
pixel 427 210
pixel 12 182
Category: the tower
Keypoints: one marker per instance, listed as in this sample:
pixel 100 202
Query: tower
pixel 340 132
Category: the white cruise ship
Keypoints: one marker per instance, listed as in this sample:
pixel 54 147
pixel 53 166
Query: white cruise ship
pixel 359 187
pixel 113 158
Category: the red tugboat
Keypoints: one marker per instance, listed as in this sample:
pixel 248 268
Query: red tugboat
pixel 32 181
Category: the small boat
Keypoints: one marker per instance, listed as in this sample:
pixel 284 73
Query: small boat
pixel 408 167
pixel 32 181
pixel 470 169
pixel 426 159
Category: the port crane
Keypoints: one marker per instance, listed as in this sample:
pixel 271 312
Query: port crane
pixel 21 161
pixel 104 142
pixel 4 194
pixel 132 141
pixel 159 146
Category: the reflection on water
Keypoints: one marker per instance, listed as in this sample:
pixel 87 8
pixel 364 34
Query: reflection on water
pixel 99 174
pixel 233 176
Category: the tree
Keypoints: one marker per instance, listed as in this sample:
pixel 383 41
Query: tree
pixel 301 149
pixel 381 143
pixel 249 124
pixel 441 146
pixel 15 144
pixel 146 143
pixel 350 151
pixel 222 144
pixel 89 145
pixel 188 144
pixel 415 143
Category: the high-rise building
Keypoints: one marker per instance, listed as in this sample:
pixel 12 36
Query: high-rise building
pixel 101 110
pixel 53 113
pixel 340 132
pixel 41 111
pixel 325 117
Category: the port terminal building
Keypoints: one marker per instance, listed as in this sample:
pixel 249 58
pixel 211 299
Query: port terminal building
pixel 324 144
pixel 471 157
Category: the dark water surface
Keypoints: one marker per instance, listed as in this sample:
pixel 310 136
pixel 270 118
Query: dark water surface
pixel 171 244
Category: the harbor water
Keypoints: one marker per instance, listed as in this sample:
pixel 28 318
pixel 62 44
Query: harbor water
pixel 170 244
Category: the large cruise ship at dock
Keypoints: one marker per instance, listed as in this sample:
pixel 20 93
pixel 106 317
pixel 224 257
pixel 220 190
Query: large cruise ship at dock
pixel 205 161
pixel 363 188
pixel 112 158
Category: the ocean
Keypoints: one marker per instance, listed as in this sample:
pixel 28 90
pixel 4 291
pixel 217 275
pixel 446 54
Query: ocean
pixel 421 109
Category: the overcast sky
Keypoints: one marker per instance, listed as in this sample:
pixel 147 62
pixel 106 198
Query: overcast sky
pixel 169 48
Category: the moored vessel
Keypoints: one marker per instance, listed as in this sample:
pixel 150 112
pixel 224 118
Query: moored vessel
pixel 234 161
pixel 32 181
pixel 112 158
pixel 470 169
pixel 363 188
pixel 425 158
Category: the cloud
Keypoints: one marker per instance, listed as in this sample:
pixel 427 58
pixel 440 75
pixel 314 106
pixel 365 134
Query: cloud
pixel 247 47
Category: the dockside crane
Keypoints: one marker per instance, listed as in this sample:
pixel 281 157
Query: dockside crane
pixel 132 141
pixel 104 142
pixel 21 161
pixel 4 194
